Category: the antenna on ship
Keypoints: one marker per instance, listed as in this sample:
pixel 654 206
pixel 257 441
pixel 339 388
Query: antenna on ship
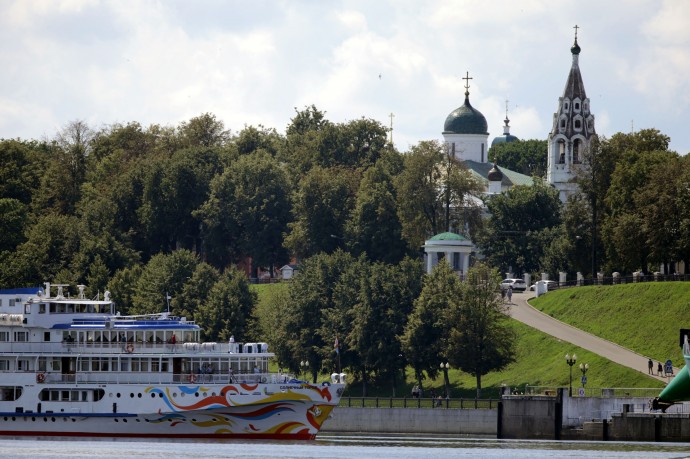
pixel 167 300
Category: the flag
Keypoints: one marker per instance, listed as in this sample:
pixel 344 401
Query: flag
pixel 336 345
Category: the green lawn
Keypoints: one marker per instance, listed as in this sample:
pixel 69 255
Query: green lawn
pixel 643 317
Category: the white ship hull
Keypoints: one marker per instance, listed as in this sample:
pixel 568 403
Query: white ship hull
pixel 270 411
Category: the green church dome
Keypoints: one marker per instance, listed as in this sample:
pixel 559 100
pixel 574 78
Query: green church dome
pixel 466 120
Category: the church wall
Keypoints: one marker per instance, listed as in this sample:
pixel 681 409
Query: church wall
pixel 473 147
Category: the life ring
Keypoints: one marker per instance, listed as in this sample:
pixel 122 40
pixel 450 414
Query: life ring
pixel 192 378
pixel 130 348
pixel 40 377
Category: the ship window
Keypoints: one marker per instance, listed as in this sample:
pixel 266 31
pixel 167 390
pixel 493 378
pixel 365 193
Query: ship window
pixel 10 393
pixel 21 336
pixel 42 308
pixel 4 365
pixel 4 336
pixel 46 336
pixel 12 302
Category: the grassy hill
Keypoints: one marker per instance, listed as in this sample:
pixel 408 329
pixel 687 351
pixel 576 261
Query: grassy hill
pixel 643 317
pixel 540 358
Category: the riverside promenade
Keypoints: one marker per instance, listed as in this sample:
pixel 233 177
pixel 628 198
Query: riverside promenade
pixel 521 310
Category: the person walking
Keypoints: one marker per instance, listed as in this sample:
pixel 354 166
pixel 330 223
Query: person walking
pixel 650 367
pixel 659 369
pixel 510 294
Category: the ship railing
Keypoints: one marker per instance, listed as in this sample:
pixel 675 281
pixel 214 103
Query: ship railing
pixel 126 377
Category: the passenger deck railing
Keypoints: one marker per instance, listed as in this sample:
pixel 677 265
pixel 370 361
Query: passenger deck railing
pixel 111 348
pixel 127 377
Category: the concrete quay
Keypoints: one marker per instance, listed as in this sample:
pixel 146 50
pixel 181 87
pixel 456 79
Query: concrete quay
pixel 534 417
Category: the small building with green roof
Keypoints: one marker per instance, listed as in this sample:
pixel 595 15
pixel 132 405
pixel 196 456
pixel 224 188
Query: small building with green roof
pixel 452 247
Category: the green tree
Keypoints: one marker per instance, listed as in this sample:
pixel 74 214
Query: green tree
pixel 384 302
pixel 123 286
pixel 65 173
pixel 195 291
pixel 321 207
pixel 204 130
pixel 50 245
pixel 424 340
pixel 248 210
pixel 20 168
pixel 512 236
pixel 480 339
pixel 164 274
pixel 251 139
pixel 228 308
pixel 374 227
pixel 434 194
pixel 13 221
pixel 525 156
pixel 312 315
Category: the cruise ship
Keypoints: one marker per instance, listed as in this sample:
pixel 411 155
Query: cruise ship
pixel 75 367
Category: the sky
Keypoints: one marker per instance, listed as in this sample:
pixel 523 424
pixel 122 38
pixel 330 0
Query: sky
pixel 255 62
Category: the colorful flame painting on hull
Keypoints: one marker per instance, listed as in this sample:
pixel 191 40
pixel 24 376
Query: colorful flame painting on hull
pixel 263 416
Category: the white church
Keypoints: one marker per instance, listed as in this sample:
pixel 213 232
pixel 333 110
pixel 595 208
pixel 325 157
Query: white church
pixel 465 132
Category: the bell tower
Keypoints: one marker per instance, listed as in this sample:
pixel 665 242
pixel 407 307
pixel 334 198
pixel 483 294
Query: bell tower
pixel 572 131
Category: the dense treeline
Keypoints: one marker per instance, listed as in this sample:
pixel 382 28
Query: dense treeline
pixel 176 217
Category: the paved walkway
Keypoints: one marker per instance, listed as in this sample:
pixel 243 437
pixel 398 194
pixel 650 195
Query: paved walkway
pixel 522 311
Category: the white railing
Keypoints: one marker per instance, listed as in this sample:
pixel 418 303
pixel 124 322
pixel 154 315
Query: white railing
pixel 121 348
pixel 158 378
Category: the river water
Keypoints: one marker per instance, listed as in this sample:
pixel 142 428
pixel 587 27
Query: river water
pixel 340 446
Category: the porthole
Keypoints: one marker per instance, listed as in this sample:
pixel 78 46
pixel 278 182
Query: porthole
pixel 116 420
pixel 45 419
pixel 118 395
pixel 131 394
pixel 153 395
pixel 160 394
pixel 196 394
pixel 139 395
pixel 33 419
pixel 52 419
pixel 124 420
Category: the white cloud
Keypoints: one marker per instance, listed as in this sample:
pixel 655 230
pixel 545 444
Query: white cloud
pixel 253 62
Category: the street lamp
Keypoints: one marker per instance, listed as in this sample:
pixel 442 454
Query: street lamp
pixel 446 383
pixel 571 361
pixel 304 366
pixel 583 369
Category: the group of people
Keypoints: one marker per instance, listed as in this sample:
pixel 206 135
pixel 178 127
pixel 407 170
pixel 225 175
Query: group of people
pixel 659 368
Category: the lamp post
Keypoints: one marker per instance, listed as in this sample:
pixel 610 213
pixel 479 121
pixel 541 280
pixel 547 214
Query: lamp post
pixel 583 369
pixel 304 366
pixel 446 383
pixel 570 361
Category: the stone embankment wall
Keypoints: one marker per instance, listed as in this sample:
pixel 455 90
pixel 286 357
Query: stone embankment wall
pixel 413 420
pixel 523 417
